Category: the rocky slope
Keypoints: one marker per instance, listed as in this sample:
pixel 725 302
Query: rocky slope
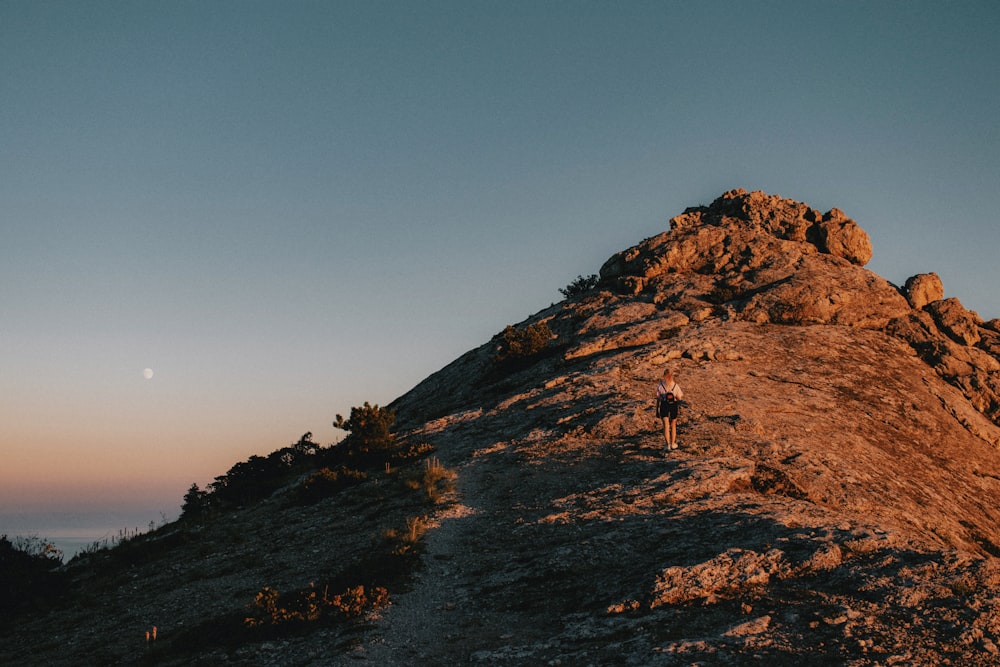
pixel 834 500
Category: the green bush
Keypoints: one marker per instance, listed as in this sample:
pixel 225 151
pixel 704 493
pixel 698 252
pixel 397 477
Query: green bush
pixel 196 502
pixel 370 428
pixel 520 345
pixel 252 480
pixel 580 286
pixel 325 482
pixel 415 451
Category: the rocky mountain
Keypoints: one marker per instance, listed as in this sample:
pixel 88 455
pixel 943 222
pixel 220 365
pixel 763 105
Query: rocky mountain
pixel 835 498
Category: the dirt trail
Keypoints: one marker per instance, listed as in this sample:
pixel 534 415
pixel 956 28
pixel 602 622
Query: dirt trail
pixel 421 623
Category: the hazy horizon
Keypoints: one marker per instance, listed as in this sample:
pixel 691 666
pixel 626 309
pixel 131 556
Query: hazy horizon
pixel 74 530
pixel 284 210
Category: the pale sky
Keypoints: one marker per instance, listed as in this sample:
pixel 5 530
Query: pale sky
pixel 288 208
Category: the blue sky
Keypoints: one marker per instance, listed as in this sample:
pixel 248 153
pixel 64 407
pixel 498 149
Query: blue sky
pixel 288 208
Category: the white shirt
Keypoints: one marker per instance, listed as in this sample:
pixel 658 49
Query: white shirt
pixel 661 389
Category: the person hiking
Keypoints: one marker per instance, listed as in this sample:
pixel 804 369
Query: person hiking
pixel 668 397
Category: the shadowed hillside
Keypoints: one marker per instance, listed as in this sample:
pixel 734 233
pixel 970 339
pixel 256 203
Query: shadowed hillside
pixel 834 499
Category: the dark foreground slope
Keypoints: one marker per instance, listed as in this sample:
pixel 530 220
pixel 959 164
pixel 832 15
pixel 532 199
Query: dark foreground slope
pixel 834 499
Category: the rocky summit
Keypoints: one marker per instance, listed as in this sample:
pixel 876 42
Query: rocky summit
pixel 835 498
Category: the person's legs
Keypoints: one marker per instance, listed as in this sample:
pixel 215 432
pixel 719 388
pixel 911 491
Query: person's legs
pixel 666 432
pixel 673 433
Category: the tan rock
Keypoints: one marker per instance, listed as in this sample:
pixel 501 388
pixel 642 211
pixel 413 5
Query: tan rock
pixel 923 289
pixel 773 251
pixel 959 324
pixel 842 237
pixel 824 291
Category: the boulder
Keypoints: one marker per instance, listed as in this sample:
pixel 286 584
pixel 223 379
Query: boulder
pixel 838 235
pixel 922 289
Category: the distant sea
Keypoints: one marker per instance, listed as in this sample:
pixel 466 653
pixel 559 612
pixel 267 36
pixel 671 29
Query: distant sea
pixel 74 531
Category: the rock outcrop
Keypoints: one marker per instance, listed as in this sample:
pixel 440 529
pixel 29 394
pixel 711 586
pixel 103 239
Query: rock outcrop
pixel 760 258
pixel 764 259
pixel 923 289
pixel 835 500
pixel 959 346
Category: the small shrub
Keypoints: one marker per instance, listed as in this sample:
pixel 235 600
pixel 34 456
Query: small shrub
pixel 196 503
pixel 356 601
pixel 416 527
pixel 370 428
pixel 518 346
pixel 964 587
pixel 265 610
pixel 416 451
pixel 406 541
pixel 270 608
pixel 325 482
pixel 436 480
pixel 580 286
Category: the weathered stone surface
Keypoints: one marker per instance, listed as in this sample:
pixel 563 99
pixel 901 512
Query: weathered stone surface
pixel 736 227
pixel 922 289
pixel 840 236
pixel 818 454
pixel 733 573
pixel 762 258
pixel 959 324
pixel 824 290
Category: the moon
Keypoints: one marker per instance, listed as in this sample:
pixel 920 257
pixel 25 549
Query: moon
pixel 148 373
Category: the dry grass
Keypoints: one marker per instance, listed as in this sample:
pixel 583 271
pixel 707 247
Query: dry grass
pixel 409 537
pixel 435 479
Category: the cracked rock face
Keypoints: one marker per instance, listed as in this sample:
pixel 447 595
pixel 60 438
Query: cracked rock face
pixel 764 259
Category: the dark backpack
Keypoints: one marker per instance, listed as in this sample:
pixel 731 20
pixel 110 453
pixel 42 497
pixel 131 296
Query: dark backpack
pixel 664 404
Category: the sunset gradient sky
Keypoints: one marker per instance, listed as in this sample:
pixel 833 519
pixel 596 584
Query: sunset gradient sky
pixel 288 208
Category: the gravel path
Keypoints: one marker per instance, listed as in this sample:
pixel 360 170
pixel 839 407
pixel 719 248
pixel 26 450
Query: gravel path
pixel 420 623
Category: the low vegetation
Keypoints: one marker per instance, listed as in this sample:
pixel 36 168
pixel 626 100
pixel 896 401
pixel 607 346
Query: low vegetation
pixel 668 333
pixel 325 482
pixel 371 478
pixel 519 348
pixel 580 286
pixel 29 578
pixel 251 480
pixel 270 608
pixel 369 427
pixel 435 480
